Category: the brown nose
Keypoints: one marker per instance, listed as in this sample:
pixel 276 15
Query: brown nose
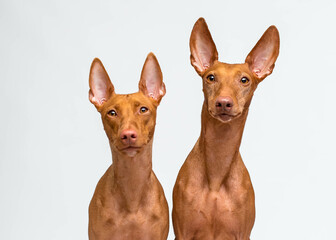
pixel 224 104
pixel 128 137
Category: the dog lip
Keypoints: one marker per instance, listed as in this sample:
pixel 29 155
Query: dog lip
pixel 226 117
pixel 130 148
pixel 223 116
pixel 226 114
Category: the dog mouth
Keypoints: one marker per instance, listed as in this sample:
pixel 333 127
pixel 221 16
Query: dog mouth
pixel 225 117
pixel 130 150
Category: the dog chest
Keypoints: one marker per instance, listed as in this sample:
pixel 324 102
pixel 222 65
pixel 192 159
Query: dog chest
pixel 219 213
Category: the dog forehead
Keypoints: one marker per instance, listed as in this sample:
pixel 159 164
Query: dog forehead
pixel 137 99
pixel 127 101
pixel 227 72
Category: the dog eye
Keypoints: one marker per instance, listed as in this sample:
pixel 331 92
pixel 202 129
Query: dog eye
pixel 143 109
pixel 244 80
pixel 112 113
pixel 211 78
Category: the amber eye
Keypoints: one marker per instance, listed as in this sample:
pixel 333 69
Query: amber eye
pixel 112 113
pixel 244 80
pixel 143 109
pixel 211 78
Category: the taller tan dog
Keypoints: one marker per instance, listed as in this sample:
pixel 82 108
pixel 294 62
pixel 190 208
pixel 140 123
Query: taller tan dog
pixel 129 202
pixel 213 196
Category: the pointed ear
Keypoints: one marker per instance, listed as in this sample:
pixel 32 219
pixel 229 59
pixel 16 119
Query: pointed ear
pixel 202 47
pixel 151 83
pixel 101 88
pixel 262 58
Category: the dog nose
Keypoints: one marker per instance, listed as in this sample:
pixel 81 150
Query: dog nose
pixel 224 103
pixel 128 137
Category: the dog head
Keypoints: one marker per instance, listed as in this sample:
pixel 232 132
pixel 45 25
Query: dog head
pixel 228 88
pixel 128 119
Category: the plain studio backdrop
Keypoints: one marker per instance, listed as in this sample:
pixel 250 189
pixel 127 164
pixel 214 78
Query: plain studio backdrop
pixel 53 146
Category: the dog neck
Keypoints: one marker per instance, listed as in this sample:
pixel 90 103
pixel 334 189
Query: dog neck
pixel 219 143
pixel 131 175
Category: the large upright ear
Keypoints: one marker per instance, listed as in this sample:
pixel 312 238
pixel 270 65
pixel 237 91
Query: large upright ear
pixel 151 83
pixel 202 47
pixel 264 54
pixel 101 88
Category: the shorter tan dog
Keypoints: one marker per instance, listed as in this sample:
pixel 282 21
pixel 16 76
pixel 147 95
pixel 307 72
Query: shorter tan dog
pixel 128 202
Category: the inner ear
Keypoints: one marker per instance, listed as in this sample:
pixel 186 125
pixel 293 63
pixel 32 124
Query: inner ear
pixel 101 88
pixel 202 47
pixel 151 83
pixel 261 59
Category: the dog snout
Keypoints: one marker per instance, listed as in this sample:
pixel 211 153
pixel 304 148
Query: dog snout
pixel 128 137
pixel 224 104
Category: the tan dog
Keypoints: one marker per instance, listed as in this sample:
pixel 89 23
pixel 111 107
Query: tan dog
pixel 213 196
pixel 128 202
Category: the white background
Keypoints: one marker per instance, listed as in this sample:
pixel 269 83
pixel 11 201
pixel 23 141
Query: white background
pixel 53 149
